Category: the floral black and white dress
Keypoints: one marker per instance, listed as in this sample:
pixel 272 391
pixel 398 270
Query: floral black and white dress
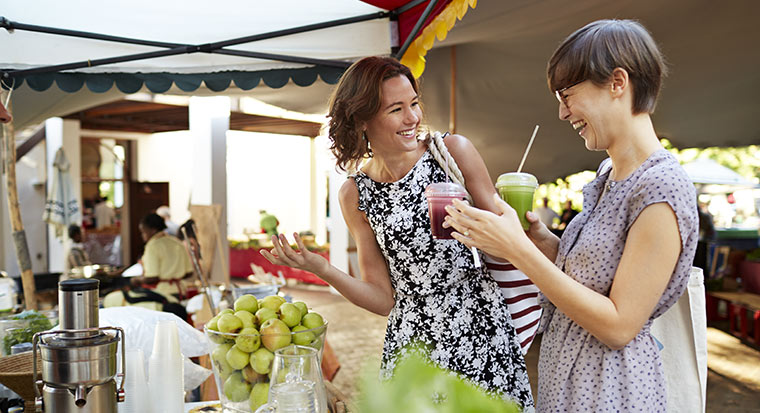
pixel 442 300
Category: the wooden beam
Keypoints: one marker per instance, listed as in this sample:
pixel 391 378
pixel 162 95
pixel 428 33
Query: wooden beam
pixel 30 143
pixel 453 92
pixel 19 236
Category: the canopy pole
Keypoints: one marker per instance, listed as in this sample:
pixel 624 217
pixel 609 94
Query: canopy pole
pixel 453 92
pixel 19 236
pixel 416 30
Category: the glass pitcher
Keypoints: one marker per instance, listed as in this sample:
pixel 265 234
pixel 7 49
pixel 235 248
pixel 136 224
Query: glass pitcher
pixel 296 384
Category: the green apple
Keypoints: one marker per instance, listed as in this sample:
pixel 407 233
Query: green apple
pixel 248 339
pixel 219 357
pixel 275 334
pixel 237 358
pixel 250 375
pixel 312 320
pixel 248 319
pixel 259 395
pixel 290 314
pixel 229 323
pixel 247 302
pixel 236 388
pixel 301 306
pixel 272 302
pixel 261 360
pixel 302 336
pixel 265 314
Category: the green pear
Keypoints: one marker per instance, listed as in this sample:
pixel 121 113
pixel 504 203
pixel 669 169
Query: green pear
pixel 272 302
pixel 259 395
pixel 219 358
pixel 290 314
pixel 236 388
pixel 248 319
pixel 226 311
pixel 265 314
pixel 237 358
pixel 248 340
pixel 261 360
pixel 212 324
pixel 301 306
pixel 302 335
pixel 229 323
pixel 247 302
pixel 312 320
pixel 275 334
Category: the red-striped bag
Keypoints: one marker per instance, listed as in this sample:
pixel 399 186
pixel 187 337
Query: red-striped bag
pixel 522 299
pixel 518 290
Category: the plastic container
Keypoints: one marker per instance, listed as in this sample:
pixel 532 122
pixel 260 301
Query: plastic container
pixel 517 189
pixel 439 195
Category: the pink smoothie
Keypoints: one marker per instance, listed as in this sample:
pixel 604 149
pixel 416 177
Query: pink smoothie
pixel 438 196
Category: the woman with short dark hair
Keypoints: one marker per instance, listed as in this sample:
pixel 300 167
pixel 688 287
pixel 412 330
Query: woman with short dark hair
pixel 622 261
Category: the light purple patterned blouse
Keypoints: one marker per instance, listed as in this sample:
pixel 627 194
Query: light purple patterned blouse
pixel 577 372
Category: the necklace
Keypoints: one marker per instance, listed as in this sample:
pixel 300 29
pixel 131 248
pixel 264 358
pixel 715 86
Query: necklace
pixel 610 184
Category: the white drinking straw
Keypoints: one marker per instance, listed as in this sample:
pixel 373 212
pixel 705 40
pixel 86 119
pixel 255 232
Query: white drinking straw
pixel 525 155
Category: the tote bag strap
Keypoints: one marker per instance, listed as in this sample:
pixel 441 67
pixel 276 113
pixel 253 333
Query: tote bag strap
pixel 443 157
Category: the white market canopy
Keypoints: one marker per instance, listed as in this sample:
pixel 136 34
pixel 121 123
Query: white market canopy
pixel 712 177
pixel 278 29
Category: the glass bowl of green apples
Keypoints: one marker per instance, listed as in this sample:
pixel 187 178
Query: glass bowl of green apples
pixel 245 338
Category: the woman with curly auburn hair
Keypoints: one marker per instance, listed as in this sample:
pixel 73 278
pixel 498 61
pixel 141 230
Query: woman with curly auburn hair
pixel 432 291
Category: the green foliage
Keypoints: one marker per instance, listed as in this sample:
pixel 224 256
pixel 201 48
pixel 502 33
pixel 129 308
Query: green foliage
pixel 418 386
pixel 36 322
pixel 753 255
pixel 744 160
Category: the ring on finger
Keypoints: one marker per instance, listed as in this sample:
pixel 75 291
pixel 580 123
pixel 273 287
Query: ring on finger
pixel 466 233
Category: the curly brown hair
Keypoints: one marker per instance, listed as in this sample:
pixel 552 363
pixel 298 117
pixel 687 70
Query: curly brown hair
pixel 356 100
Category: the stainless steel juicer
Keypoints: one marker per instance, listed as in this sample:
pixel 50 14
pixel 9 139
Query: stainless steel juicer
pixel 79 360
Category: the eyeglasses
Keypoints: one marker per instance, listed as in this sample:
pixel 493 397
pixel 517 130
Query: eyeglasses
pixel 560 93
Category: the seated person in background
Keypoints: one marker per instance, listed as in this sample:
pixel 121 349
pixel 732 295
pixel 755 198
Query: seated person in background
pixel 76 255
pixel 165 260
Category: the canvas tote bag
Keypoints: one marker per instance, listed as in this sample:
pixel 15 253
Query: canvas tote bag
pixel 519 291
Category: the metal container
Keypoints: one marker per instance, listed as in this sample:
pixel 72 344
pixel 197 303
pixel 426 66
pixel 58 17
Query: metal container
pixel 79 360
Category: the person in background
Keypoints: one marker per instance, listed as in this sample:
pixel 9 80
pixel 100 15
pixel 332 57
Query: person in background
pixel 105 217
pixel 568 213
pixel 172 228
pixel 706 236
pixel 76 256
pixel 626 258
pixel 165 260
pixel 546 214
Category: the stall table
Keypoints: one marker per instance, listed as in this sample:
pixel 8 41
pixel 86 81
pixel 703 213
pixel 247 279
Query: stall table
pixel 741 307
pixel 241 260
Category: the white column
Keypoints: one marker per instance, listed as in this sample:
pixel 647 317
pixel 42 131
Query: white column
pixel 63 133
pixel 336 225
pixel 209 123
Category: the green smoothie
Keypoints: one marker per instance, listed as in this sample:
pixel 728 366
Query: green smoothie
pixel 517 189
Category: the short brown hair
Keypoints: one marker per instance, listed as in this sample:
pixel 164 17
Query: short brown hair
pixel 355 100
pixel 594 51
